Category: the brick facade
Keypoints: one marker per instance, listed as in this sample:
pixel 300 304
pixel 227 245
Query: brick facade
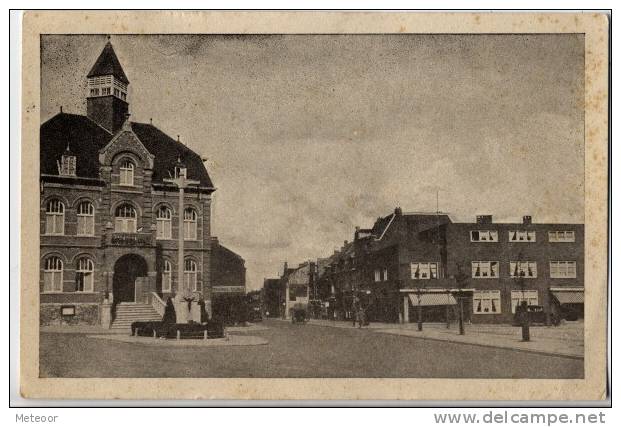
pixel 379 267
pixel 125 264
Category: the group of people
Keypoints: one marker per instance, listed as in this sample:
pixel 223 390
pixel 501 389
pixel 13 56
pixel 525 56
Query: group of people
pixel 359 314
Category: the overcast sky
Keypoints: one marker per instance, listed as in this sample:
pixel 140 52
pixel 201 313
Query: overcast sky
pixel 309 136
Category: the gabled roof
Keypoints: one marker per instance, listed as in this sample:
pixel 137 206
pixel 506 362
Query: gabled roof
pixel 107 64
pixel 85 138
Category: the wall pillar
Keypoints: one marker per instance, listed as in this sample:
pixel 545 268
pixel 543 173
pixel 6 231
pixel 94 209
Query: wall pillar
pixel 106 315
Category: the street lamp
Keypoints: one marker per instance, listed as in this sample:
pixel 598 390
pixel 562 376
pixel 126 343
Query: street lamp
pixel 461 278
pixel 524 304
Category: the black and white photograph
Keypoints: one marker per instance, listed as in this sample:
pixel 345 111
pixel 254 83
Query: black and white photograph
pixel 313 206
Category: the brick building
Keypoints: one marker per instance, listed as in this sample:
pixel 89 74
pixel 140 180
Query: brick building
pixel 228 278
pixel 109 214
pixel 407 260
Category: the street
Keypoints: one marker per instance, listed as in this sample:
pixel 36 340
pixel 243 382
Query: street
pixel 302 351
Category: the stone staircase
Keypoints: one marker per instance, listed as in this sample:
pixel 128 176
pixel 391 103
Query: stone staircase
pixel 127 313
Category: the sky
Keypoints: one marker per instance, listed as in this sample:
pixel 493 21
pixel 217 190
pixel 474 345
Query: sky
pixel 308 136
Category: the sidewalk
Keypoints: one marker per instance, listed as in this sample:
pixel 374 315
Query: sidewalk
pixel 566 340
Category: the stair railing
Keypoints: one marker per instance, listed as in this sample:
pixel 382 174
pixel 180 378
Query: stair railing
pixel 158 304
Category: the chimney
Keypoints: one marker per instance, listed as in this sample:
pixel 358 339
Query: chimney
pixel 398 211
pixel 527 220
pixel 357 233
pixel 345 242
pixel 484 219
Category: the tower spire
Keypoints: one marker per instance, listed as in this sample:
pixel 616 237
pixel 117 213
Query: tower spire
pixel 106 102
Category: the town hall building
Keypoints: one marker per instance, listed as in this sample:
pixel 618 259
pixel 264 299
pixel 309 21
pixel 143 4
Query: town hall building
pixel 110 212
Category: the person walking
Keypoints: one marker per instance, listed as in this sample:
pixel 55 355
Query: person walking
pixel 361 316
pixel 354 310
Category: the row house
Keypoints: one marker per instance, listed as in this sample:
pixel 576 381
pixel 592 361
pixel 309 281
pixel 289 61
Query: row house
pixel 411 260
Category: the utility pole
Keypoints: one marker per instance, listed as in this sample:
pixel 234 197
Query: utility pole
pixel 183 298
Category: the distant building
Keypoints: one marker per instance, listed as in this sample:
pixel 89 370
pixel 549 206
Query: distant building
pixel 228 279
pixel 296 287
pixel 411 259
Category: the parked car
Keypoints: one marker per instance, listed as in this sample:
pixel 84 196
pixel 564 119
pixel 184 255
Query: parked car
pixel 536 315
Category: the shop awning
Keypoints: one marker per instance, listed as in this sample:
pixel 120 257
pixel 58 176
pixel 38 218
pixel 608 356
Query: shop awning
pixel 436 298
pixel 569 296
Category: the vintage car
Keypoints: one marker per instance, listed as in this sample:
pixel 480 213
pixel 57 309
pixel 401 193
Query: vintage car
pixel 536 315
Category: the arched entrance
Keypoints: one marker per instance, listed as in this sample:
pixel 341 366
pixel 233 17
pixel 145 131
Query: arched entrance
pixel 126 270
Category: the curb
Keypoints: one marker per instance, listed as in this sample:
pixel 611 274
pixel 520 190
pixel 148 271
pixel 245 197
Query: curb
pixel 523 350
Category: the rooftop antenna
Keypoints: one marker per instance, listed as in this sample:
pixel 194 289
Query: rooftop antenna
pixel 61 108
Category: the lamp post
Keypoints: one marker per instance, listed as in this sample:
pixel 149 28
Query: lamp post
pixel 183 298
pixel 461 279
pixel 420 310
pixel 525 320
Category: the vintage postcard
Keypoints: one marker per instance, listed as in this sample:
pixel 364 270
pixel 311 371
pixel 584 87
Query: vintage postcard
pixel 245 205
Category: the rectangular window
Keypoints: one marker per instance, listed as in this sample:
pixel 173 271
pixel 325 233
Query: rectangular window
pixel 561 236
pixel 55 223
pixel 105 91
pixel 484 236
pixel 53 281
pixel 531 298
pixel 189 278
pixel 125 225
pixel 385 274
pixel 563 269
pixel 424 270
pixel 95 92
pixel 525 269
pixel 486 302
pixel 189 230
pixel 378 275
pixel 166 281
pixel 484 269
pixel 163 226
pixel 522 236
pixel 84 281
pixel 86 225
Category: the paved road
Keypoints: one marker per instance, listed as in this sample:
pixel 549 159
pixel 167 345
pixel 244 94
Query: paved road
pixel 304 351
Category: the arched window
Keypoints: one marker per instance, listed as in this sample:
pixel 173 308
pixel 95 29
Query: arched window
pixel 84 277
pixel 167 277
pixel 190 218
pixel 55 217
pixel 163 223
pixel 189 275
pixel 126 176
pixel 125 219
pixel 86 219
pixel 53 275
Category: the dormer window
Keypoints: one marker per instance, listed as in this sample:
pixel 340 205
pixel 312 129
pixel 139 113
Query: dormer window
pixel 67 165
pixel 126 173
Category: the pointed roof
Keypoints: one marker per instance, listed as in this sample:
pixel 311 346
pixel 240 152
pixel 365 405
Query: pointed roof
pixel 107 64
